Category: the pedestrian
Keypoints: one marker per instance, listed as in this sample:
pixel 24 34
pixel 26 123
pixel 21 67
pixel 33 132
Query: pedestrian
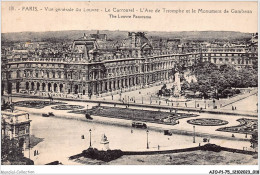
pixel 158 147
pixel 131 131
pixel 37 152
pixel 235 108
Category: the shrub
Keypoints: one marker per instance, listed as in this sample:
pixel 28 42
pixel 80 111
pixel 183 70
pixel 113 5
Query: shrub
pixel 211 147
pixel 102 155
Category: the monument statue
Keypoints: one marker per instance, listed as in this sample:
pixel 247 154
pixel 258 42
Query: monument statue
pixel 177 85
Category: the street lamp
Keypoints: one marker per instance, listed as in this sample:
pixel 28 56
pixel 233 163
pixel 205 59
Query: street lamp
pixel 193 134
pixel 147 132
pixel 90 138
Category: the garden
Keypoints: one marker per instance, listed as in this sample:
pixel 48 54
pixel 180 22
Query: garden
pixel 246 126
pixel 36 103
pixel 67 107
pixel 136 114
pixel 207 122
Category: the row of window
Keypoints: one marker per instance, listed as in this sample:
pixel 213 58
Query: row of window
pixel 239 61
pixel 34 65
pixel 221 54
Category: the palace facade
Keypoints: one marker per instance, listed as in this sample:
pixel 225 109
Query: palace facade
pixel 95 65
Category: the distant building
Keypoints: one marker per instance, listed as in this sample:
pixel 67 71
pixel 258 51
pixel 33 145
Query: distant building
pixel 240 56
pixel 98 36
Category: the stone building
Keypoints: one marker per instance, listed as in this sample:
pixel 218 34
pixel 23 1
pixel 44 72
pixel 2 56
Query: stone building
pixel 240 56
pixel 96 65
pixel 16 125
pixel 90 70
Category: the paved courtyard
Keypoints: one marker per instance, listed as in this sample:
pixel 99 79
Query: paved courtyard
pixel 62 134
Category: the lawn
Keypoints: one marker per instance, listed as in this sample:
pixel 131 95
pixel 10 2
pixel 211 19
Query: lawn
pixel 37 104
pixel 246 126
pixel 136 114
pixel 207 122
pixel 67 107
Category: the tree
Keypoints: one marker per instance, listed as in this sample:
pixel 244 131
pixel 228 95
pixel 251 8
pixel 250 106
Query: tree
pixel 185 85
pixel 10 150
pixel 254 140
pixel 211 79
pixel 194 87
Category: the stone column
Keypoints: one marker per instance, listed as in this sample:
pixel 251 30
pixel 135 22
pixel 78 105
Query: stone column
pixel 58 88
pixel 108 86
pixel 104 86
pixel 98 87
pixel 123 82
pixel 52 87
pixel 30 86
pixel 40 87
pixel 116 83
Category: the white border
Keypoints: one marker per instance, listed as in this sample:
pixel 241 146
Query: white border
pixel 127 169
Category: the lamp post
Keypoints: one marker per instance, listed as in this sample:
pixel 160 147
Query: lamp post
pixel 90 138
pixel 193 134
pixel 147 132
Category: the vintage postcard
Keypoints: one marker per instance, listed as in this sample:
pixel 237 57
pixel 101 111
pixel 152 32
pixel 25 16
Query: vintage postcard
pixel 129 83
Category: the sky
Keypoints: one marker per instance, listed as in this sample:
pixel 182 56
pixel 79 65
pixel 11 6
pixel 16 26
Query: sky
pixel 182 16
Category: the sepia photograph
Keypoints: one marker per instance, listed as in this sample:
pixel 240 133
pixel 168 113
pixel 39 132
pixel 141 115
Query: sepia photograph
pixel 129 83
